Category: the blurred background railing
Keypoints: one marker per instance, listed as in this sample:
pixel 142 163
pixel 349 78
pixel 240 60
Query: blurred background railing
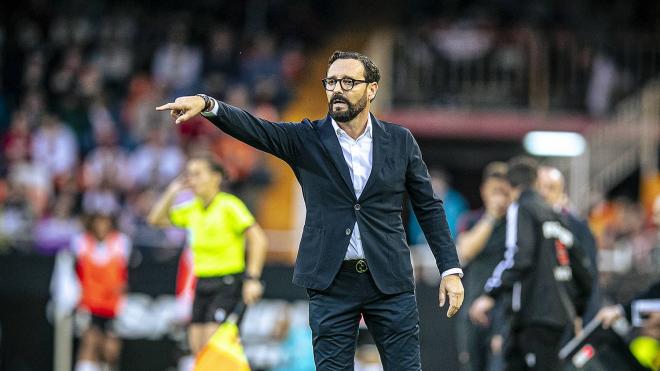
pixel 476 65
pixel 624 144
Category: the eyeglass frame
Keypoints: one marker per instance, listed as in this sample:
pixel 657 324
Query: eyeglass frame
pixel 341 84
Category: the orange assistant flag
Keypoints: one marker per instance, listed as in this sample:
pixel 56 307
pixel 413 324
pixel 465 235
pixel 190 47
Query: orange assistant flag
pixel 224 350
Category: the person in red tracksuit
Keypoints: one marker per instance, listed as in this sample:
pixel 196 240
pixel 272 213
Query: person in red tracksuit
pixel 102 254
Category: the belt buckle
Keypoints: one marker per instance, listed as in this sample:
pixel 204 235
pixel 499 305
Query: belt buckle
pixel 361 266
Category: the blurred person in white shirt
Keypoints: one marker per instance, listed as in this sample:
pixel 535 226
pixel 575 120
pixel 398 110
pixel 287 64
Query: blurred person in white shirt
pixel 107 164
pixel 176 64
pixel 54 146
pixel 156 162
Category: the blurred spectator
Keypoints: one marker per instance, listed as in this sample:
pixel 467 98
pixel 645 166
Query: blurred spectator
pixel 463 40
pixel 293 63
pixel 63 80
pixel 54 145
pixel 115 57
pixel 221 63
pixel 53 232
pixel 647 254
pixel 33 106
pixel 654 235
pixel 176 64
pixel 16 218
pixel 156 162
pixel 35 71
pixel 604 79
pixel 27 178
pixel 454 203
pixel 106 165
pixel 15 143
pixel 261 62
pixel 261 68
pixel 628 250
pixel 551 186
pixel 481 245
pixel 137 111
pixel 101 199
pixel 622 238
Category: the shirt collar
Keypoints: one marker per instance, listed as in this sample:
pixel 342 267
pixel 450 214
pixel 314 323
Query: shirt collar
pixel 368 131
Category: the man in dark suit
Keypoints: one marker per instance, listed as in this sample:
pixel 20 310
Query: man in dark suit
pixel 353 257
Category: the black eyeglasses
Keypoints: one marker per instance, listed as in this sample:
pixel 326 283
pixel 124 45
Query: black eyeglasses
pixel 346 83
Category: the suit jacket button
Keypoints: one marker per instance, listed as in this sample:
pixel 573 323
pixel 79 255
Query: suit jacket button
pixel 357 207
pixel 348 231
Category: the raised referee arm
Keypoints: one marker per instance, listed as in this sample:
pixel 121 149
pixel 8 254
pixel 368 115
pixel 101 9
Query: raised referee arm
pixel 159 214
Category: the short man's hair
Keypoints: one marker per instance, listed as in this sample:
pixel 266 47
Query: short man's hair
pixel 522 171
pixel 371 72
pixel 214 165
pixel 495 170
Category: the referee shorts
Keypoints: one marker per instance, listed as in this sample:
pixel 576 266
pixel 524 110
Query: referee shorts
pixel 216 298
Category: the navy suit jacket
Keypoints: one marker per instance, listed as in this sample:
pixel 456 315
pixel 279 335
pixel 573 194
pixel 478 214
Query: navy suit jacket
pixel 312 150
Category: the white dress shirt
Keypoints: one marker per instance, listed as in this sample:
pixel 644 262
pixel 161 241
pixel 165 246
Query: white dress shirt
pixel 358 154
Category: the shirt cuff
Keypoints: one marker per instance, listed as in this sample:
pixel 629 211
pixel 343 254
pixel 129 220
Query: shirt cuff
pixel 448 272
pixel 213 112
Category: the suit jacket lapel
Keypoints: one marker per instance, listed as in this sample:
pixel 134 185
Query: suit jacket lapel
pixel 333 150
pixel 381 139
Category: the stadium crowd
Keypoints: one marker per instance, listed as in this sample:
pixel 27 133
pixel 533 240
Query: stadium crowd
pixel 79 130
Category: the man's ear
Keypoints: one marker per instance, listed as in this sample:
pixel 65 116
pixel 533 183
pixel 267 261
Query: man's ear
pixel 372 91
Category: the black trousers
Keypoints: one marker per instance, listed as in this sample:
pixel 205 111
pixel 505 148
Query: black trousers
pixel 534 348
pixel 334 316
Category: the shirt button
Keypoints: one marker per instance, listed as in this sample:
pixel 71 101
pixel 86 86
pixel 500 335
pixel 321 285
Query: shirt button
pixel 357 207
pixel 348 231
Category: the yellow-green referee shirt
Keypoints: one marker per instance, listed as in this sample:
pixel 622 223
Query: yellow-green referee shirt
pixel 215 234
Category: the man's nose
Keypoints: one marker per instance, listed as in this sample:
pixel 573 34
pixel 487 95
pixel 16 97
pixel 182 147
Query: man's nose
pixel 338 85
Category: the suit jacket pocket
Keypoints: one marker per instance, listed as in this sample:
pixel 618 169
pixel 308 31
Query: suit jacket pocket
pixel 399 255
pixel 309 253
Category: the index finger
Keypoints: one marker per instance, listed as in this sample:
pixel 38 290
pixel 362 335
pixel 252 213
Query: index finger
pixel 168 106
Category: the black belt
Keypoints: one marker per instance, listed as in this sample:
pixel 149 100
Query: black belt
pixel 355 265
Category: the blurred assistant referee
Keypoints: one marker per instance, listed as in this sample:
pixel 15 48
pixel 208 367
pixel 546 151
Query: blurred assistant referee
pixel 219 225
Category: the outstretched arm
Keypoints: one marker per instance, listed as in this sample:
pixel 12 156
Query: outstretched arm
pixel 275 138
